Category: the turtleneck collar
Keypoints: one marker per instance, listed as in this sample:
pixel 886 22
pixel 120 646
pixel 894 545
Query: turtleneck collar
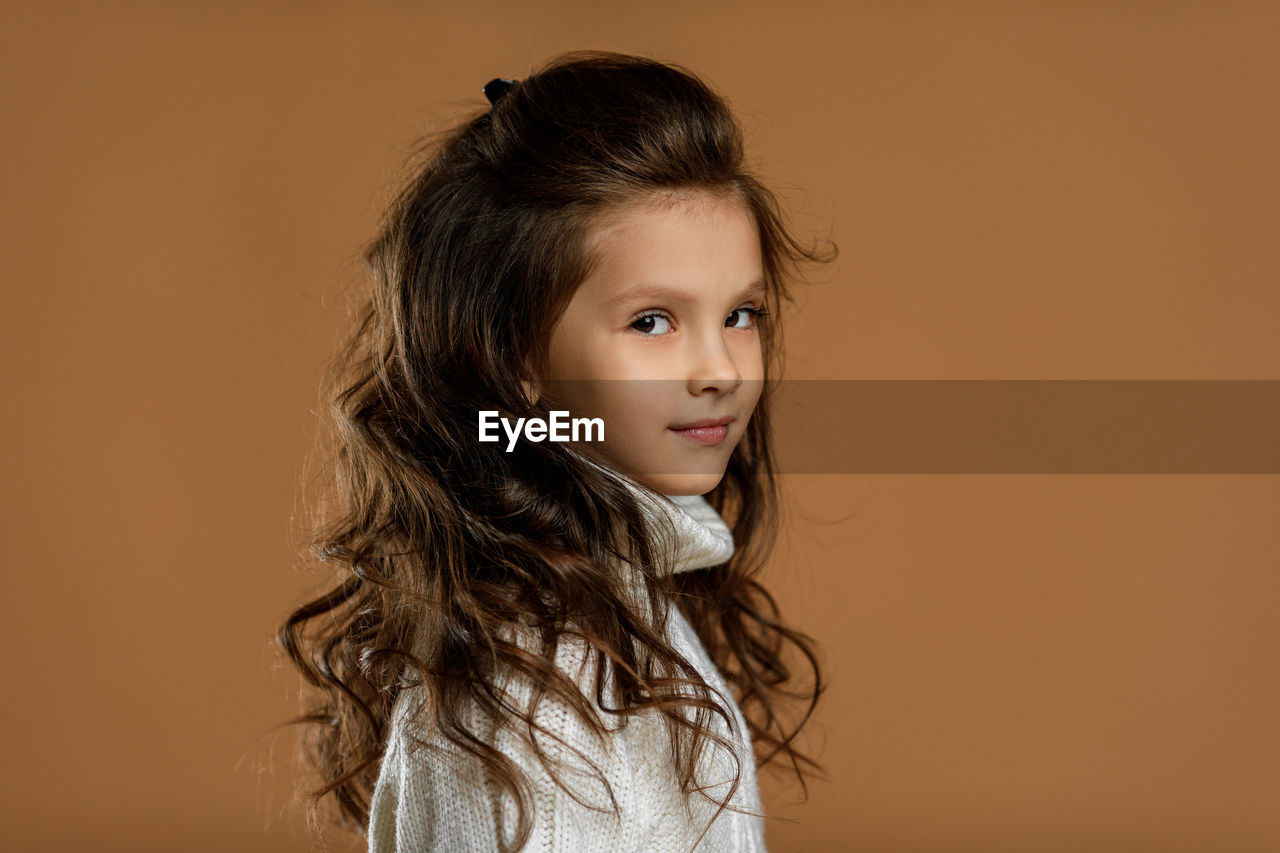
pixel 702 539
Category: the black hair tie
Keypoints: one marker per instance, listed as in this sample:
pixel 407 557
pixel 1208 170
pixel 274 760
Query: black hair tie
pixel 496 88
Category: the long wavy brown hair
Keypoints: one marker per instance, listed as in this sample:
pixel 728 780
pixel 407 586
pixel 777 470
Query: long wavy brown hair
pixel 440 545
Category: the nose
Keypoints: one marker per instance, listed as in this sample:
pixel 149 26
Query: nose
pixel 713 369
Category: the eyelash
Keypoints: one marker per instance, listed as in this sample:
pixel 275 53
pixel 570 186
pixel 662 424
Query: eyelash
pixel 756 315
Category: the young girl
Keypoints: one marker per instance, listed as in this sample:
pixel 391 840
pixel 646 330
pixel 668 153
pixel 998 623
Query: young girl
pixel 544 644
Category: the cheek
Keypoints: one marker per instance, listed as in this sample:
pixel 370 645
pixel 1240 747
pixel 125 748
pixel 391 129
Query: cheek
pixel 574 349
pixel 752 387
pixel 629 407
pixel 634 405
pixel 565 360
pixel 750 358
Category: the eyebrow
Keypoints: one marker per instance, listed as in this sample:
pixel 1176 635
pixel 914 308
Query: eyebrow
pixel 675 294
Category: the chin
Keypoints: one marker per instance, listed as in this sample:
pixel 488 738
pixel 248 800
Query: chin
pixel 682 484
pixel 670 474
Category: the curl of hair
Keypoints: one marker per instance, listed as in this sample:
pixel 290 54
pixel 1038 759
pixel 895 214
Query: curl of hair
pixel 441 548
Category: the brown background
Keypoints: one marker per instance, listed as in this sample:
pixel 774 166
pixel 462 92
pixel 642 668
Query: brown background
pixel 1019 190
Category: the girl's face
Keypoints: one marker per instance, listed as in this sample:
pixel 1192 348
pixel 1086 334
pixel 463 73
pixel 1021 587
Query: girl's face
pixel 662 335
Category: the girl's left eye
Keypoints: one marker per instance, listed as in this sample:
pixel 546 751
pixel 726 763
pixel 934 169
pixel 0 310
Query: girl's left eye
pixel 749 314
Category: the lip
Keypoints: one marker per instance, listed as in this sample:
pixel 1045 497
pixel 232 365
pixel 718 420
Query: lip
pixel 708 431
pixel 706 422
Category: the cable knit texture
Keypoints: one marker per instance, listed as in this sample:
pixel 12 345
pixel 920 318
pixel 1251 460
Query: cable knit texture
pixel 436 798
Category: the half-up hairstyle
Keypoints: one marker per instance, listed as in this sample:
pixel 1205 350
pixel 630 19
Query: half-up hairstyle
pixel 441 546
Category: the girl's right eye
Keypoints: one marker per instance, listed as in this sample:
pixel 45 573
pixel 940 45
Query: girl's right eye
pixel 646 323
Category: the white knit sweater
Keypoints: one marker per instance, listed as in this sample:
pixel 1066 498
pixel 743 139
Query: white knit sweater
pixel 437 799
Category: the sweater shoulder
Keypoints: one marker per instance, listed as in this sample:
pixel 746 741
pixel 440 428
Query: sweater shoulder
pixel 599 781
pixel 588 780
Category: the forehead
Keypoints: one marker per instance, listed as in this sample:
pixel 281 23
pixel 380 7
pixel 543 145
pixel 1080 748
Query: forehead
pixel 653 209
pixel 684 238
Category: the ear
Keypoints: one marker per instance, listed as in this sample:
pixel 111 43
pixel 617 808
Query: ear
pixel 532 391
pixel 532 387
